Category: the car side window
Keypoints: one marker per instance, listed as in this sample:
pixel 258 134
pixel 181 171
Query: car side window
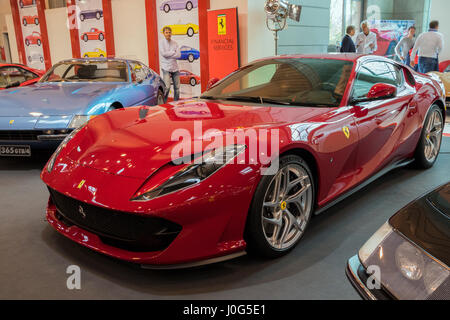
pixel 371 73
pixel 11 75
pixel 28 75
pixel 397 74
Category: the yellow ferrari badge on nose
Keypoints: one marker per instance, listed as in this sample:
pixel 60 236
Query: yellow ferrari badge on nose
pixel 11 122
pixel 81 184
pixel 283 205
pixel 346 131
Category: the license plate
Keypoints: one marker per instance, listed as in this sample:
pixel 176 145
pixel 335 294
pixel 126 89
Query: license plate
pixel 15 151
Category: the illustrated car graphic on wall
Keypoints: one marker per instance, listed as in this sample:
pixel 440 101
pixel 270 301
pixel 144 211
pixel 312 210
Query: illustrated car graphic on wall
pixel 18 75
pixel 91 14
pixel 97 53
pixel 34 38
pixel 93 34
pixel 188 53
pixel 187 77
pixel 178 5
pixel 183 29
pixel 36 57
pixel 26 3
pixel 30 20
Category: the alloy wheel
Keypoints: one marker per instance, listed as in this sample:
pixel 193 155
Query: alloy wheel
pixel 433 135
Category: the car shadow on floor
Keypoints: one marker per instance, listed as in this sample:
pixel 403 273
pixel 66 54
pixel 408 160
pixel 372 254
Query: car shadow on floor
pixel 242 272
pixel 36 162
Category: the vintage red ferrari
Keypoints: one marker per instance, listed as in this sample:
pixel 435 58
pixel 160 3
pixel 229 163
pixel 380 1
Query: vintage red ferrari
pixel 18 75
pixel 244 167
pixel 93 34
pixel 26 20
pixel 33 38
pixel 187 77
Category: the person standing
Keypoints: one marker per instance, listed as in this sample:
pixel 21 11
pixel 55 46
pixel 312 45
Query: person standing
pixel 366 41
pixel 403 48
pixel 170 51
pixel 428 45
pixel 347 42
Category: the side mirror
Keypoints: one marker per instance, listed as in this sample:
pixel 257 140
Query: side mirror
pixel 211 83
pixel 382 91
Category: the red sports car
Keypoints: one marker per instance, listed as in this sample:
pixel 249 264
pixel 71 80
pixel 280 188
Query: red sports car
pixel 34 38
pixel 26 3
pixel 93 34
pixel 18 75
pixel 187 77
pixel 26 20
pixel 288 137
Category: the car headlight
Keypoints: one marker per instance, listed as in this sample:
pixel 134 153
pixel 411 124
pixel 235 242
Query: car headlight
pixel 63 144
pixel 79 120
pixel 202 168
pixel 372 244
pixel 410 261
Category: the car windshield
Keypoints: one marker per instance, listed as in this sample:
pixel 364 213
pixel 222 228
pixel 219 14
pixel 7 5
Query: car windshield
pixel 290 81
pixel 441 199
pixel 91 71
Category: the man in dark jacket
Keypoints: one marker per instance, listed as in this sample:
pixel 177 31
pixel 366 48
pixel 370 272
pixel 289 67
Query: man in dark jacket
pixel 347 43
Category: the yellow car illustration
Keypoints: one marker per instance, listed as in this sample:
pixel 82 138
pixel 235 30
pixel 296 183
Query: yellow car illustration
pixel 97 53
pixel 181 29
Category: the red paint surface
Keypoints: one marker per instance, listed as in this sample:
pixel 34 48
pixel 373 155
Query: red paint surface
pixel 74 28
pixel 40 5
pixel 152 35
pixel 203 7
pixel 18 31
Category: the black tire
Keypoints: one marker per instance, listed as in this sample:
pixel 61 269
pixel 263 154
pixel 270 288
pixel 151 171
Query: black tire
pixel 85 38
pixel 36 21
pixel 39 42
pixel 166 8
pixel 30 59
pixel 420 157
pixel 190 32
pixel 27 42
pixel 189 6
pixel 254 235
pixel 191 58
pixel 102 56
pixel 101 37
pixel 25 22
pixel 98 16
pixel 41 59
pixel 160 99
pixel 193 82
pixel 86 56
pixel 82 17
pixel 21 4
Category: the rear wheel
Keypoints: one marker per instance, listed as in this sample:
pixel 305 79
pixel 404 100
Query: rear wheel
pixel 25 22
pixel 189 6
pixel 36 21
pixel 160 99
pixel 85 38
pixel 82 17
pixel 190 32
pixel 166 8
pixel 27 42
pixel 281 209
pixel 193 82
pixel 430 140
pixel 101 37
pixel 191 58
pixel 98 15
pixel 39 42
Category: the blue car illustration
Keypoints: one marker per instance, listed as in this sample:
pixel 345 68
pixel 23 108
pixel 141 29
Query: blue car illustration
pixel 91 14
pixel 188 53
pixel 40 116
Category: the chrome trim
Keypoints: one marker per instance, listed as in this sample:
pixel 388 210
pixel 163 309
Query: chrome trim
pixel 194 264
pixel 52 137
pixel 352 272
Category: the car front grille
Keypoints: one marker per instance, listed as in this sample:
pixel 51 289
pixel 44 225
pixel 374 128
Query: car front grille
pixel 20 135
pixel 119 229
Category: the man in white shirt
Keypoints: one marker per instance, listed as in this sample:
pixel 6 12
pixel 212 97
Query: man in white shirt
pixel 429 45
pixel 366 41
pixel 170 52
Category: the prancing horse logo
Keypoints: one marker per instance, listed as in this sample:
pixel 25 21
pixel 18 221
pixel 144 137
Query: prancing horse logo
pixel 81 211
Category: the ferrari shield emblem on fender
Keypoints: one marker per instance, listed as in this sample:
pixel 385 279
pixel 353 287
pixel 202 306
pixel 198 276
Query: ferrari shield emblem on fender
pixel 346 131
pixel 81 184
pixel 221 24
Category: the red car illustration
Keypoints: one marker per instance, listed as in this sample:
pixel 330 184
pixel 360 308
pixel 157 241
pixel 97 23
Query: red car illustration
pixel 34 38
pixel 26 20
pixel 93 34
pixel 187 77
pixel 27 3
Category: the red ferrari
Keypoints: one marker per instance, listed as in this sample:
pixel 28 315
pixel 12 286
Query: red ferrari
pixel 187 77
pixel 34 38
pixel 30 20
pixel 269 146
pixel 93 34
pixel 26 3
pixel 18 75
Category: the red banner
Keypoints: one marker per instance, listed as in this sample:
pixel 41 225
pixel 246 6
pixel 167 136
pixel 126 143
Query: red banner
pixel 223 42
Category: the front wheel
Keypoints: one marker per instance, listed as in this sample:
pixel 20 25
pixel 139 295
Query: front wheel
pixel 101 37
pixel 85 38
pixel 189 6
pixel 281 209
pixel 191 58
pixel 160 99
pixel 190 32
pixel 39 42
pixel 430 140
pixel 36 21
pixel 193 82
pixel 166 8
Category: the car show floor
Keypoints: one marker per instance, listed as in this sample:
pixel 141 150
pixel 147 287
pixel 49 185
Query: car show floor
pixel 34 257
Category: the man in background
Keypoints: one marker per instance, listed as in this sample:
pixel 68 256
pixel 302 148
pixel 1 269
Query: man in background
pixel 428 45
pixel 403 48
pixel 170 51
pixel 347 43
pixel 366 41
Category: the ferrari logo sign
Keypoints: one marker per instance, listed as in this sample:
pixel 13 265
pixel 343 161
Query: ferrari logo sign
pixel 222 24
pixel 346 131
pixel 81 184
pixel 11 122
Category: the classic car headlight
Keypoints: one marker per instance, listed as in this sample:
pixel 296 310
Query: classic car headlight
pixel 63 144
pixel 410 261
pixel 79 120
pixel 202 168
pixel 372 244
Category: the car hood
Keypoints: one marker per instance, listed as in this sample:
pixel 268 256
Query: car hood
pixel 52 99
pixel 137 141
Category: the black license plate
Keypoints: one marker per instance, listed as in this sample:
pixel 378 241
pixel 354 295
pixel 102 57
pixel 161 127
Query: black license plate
pixel 15 151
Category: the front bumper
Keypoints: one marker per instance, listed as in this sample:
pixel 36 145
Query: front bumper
pixel 357 275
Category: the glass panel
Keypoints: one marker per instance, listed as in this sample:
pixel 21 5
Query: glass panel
pixel 370 74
